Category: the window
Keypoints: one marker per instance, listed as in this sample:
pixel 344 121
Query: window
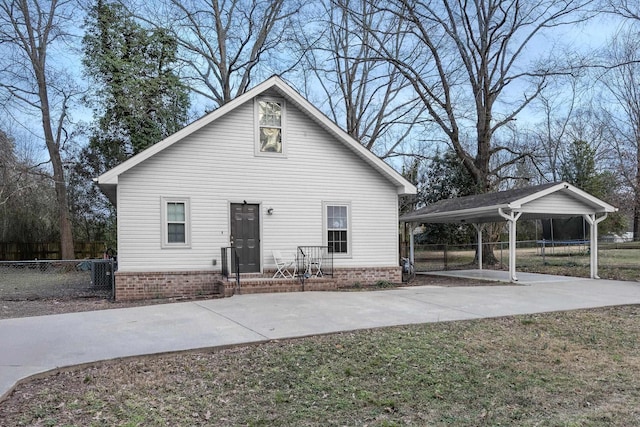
pixel 175 223
pixel 337 228
pixel 270 126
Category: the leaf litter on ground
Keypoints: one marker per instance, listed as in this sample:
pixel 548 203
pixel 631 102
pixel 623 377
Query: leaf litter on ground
pixel 565 368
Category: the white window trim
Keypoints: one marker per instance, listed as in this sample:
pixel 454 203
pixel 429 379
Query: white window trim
pixel 164 223
pixel 325 229
pixel 256 127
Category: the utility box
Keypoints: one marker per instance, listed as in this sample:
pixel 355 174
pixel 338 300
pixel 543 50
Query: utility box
pixel 102 274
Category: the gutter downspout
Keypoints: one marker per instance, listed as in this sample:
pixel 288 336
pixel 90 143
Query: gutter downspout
pixel 512 218
pixel 593 247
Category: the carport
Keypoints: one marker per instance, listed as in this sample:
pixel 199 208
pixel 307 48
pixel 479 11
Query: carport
pixel 546 201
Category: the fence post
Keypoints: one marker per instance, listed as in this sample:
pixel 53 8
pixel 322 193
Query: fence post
pixel 446 258
pixel 113 278
pixel 236 260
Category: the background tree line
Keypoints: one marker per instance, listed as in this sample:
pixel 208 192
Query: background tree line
pixel 467 96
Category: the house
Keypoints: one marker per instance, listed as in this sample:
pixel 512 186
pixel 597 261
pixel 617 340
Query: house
pixel 267 171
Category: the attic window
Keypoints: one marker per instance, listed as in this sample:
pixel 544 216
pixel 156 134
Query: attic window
pixel 270 125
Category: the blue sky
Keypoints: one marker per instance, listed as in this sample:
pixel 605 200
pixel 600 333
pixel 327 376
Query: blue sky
pixel 584 37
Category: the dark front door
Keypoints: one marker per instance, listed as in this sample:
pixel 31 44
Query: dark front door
pixel 245 236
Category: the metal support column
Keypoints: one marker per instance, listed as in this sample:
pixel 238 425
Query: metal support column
pixel 593 247
pixel 478 228
pixel 512 218
pixel 411 243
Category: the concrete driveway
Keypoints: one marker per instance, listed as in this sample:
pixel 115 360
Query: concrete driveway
pixel 34 345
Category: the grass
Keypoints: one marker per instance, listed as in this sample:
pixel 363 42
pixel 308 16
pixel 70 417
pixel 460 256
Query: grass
pixel 575 368
pixel 617 263
pixel 558 369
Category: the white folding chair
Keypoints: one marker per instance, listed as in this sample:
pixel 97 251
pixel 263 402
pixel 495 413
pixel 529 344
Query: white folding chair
pixel 286 265
pixel 315 264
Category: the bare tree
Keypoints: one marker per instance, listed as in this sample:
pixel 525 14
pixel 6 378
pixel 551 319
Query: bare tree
pixel 28 30
pixel 629 9
pixel 568 115
pixel 224 44
pixel 551 133
pixel 475 67
pixel 27 194
pixel 623 113
pixel 371 99
pixel 11 172
pixel 14 171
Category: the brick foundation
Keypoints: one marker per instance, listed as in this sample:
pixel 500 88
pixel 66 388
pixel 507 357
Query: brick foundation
pixel 132 286
pixel 347 277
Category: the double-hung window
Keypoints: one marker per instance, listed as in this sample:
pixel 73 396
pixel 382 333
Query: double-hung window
pixel 270 125
pixel 337 228
pixel 175 222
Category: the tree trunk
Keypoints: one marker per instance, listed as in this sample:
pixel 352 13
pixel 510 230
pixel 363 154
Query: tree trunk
pixel 33 32
pixel 53 146
pixel 636 191
pixel 491 236
pixel 636 217
pixel 488 255
pixel 66 234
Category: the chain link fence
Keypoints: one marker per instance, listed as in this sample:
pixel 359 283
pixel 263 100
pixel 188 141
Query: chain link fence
pixel 615 261
pixel 32 280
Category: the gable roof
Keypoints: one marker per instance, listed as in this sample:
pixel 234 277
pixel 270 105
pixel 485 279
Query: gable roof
pixel 109 180
pixel 552 200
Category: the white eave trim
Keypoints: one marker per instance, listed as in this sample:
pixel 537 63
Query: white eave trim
pixel 403 186
pixel 111 176
pixel 582 195
pixel 467 214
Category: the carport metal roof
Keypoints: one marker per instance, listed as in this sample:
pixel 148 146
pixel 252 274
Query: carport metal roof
pixel 552 200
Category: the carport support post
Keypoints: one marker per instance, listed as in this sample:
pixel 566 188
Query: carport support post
pixel 512 218
pixel 412 228
pixel 478 228
pixel 593 248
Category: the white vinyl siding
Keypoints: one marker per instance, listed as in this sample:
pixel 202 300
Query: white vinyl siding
pixel 217 165
pixel 558 203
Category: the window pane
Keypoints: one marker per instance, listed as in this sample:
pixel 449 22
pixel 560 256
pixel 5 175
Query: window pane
pixel 337 217
pixel 270 113
pixel 338 229
pixel 270 140
pixel 176 233
pixel 175 212
pixel 337 241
